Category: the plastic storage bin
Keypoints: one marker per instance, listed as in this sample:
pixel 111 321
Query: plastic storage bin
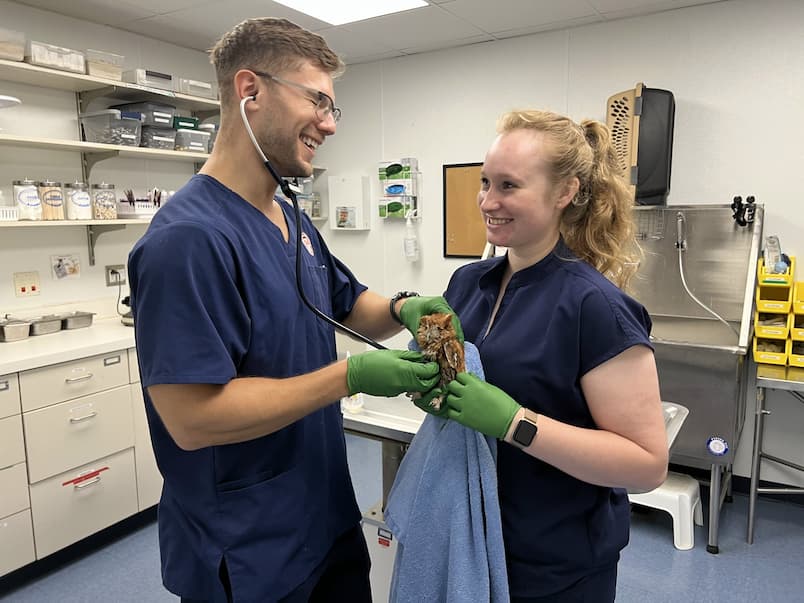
pixel 798 297
pixel 797 327
pixel 196 141
pixel 195 88
pixel 12 44
pixel 771 325
pixel 158 138
pixel 55 57
pixel 149 78
pixel 153 114
pixel 795 353
pixel 774 298
pixel 213 132
pixel 112 126
pixel 104 64
pixel 771 278
pixel 770 351
pixel 187 123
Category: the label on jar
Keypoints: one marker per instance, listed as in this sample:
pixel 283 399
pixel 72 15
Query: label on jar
pixel 29 206
pixel 79 206
pixel 52 202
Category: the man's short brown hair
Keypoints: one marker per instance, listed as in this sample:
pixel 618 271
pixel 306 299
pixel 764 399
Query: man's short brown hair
pixel 272 45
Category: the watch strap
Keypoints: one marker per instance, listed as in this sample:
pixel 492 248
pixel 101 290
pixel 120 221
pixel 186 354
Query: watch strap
pixel 397 296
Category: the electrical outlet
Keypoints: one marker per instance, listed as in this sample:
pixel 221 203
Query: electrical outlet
pixel 26 283
pixel 115 275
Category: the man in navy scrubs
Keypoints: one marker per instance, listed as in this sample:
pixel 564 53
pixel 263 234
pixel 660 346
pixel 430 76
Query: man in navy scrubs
pixel 240 378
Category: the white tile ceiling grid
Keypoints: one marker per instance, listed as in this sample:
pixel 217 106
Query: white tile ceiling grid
pixel 197 24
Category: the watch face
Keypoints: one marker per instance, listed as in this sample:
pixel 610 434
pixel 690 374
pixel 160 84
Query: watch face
pixel 525 432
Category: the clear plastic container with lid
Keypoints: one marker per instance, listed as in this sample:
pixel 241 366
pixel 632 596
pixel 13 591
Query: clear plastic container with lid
pixel 26 198
pixel 104 203
pixel 52 197
pixel 77 201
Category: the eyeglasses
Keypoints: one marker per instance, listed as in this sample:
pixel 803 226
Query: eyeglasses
pixel 324 105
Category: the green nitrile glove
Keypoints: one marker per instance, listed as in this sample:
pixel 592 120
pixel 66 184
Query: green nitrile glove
pixel 416 307
pixel 390 373
pixel 423 402
pixel 480 405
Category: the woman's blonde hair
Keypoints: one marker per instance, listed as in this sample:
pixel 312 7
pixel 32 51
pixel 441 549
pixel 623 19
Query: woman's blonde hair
pixel 598 225
pixel 272 45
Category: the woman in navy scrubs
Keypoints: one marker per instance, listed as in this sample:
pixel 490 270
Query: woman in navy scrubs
pixel 240 379
pixel 572 386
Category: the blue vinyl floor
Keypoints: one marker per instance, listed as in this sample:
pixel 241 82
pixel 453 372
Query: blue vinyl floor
pixel 126 569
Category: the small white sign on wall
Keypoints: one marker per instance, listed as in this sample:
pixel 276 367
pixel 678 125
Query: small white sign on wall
pixel 65 266
pixel 349 202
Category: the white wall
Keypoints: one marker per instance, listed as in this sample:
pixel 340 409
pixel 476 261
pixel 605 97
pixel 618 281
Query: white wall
pixel 735 68
pixel 737 72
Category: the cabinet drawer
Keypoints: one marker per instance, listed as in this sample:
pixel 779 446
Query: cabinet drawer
pixel 9 395
pixel 12 450
pixel 75 504
pixel 14 486
pixel 16 542
pixel 48 385
pixel 133 367
pixel 72 433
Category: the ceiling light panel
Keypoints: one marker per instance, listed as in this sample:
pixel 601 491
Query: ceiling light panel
pixel 348 11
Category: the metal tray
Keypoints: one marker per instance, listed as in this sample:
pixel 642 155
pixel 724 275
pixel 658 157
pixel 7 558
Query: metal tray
pixel 42 325
pixel 76 320
pixel 14 330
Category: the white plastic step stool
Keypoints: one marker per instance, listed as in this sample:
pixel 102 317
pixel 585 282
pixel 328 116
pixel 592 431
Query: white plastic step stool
pixel 679 495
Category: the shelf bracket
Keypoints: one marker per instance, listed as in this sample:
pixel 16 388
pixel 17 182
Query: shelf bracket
pixel 88 161
pixel 93 232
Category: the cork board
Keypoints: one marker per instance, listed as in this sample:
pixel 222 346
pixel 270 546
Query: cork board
pixel 464 230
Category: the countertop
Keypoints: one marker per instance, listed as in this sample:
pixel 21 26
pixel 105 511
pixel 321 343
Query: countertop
pixel 396 419
pixel 101 337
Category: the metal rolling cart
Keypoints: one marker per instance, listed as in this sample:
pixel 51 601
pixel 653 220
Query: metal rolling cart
pixel 795 389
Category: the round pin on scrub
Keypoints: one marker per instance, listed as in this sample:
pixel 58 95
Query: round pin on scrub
pixel 717 446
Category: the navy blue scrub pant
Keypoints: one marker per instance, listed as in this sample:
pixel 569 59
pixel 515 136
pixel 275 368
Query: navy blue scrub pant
pixel 600 587
pixel 343 575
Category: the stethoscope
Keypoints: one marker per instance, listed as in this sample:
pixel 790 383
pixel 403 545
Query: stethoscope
pixel 288 192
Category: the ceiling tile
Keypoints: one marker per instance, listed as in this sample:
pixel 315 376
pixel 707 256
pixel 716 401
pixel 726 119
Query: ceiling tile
pixel 349 46
pixel 533 29
pixel 417 27
pixel 453 44
pixel 512 14
pixel 96 11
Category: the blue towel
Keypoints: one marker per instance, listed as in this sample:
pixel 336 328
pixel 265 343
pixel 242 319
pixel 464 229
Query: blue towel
pixel 444 512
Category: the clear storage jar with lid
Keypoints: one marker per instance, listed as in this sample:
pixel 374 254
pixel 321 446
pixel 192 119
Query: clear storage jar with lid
pixel 52 197
pixel 26 198
pixel 104 202
pixel 78 201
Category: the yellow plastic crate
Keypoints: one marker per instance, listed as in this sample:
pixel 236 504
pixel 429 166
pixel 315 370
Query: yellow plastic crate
pixel 771 371
pixel 795 374
pixel 797 327
pixel 774 331
pixel 795 358
pixel 774 299
pixel 765 357
pixel 770 278
pixel 798 297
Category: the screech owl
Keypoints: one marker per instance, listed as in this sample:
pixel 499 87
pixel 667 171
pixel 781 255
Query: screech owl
pixel 438 342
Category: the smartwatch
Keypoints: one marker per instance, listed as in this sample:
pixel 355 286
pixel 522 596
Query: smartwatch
pixel 400 295
pixel 524 433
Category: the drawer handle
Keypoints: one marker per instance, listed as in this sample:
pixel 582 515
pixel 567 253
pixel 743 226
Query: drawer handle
pixel 91 415
pixel 4 386
pixel 87 483
pixel 77 379
pixel 88 476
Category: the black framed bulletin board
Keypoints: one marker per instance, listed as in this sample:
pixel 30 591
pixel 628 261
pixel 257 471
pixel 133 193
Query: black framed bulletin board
pixel 464 230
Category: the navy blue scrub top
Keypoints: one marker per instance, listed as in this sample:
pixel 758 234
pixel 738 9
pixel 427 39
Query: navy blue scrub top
pixel 558 319
pixel 214 297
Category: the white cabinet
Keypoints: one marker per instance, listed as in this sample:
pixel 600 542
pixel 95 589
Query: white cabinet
pixel 149 479
pixel 16 536
pixel 75 454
